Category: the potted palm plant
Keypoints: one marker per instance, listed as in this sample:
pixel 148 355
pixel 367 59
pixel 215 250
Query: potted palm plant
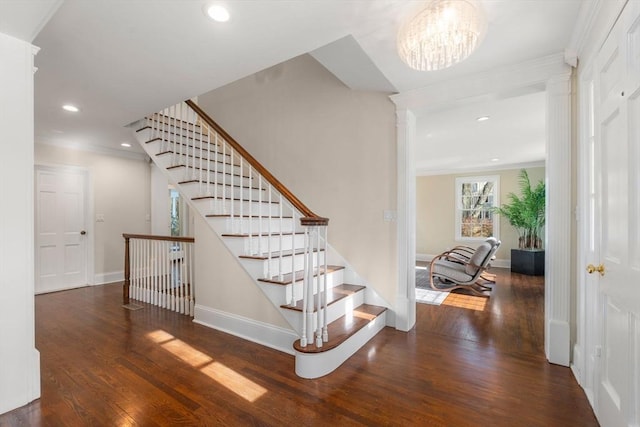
pixel 526 213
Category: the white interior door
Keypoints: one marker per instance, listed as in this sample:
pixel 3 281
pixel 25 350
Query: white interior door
pixel 618 167
pixel 61 242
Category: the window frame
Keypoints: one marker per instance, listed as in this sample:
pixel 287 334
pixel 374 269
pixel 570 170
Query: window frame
pixel 459 181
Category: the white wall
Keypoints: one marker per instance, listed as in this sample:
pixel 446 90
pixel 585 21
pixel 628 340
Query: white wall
pixel 121 193
pixel 19 359
pixel 333 147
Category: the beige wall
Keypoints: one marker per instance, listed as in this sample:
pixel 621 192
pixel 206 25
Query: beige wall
pixel 121 192
pixel 222 284
pixel 332 146
pixel 435 216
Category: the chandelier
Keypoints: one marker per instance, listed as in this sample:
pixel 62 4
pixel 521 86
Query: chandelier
pixel 444 33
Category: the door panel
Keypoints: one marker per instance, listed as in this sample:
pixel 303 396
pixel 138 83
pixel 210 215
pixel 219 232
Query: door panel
pixel 61 254
pixel 618 172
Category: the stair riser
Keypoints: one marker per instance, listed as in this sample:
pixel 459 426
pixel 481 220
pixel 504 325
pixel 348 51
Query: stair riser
pixel 334 311
pixel 184 174
pixel 252 226
pixel 309 365
pixel 196 189
pixel 283 294
pixel 174 159
pixel 256 245
pixel 184 141
pixel 228 207
pixel 258 268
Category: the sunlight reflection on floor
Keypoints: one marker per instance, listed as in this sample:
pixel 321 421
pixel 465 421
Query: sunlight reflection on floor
pixel 218 372
pixel 466 301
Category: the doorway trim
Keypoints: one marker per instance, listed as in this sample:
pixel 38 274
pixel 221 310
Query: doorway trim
pixel 551 74
pixel 88 211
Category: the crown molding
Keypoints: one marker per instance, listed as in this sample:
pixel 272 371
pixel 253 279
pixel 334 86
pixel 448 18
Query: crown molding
pixel 133 155
pixel 482 169
pixel 498 80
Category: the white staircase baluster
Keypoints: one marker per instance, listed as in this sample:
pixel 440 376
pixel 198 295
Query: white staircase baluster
pixel 305 291
pixel 280 246
pixel 315 248
pixel 269 268
pixel 215 163
pixel 224 175
pixel 231 202
pixel 250 217
pixel 260 243
pixel 241 198
pixel 325 329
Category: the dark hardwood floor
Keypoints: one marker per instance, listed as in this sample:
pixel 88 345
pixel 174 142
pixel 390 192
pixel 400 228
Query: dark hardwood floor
pixel 103 365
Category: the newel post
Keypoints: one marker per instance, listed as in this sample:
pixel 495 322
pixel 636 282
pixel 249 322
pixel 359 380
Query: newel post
pixel 127 273
pixel 314 313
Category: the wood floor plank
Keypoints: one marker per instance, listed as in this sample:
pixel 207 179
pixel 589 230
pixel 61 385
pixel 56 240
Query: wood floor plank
pixel 103 365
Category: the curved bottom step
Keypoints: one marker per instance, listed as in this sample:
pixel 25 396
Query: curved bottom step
pixel 348 334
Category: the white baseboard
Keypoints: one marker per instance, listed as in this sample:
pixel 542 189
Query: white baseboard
pixel 498 263
pixel 252 330
pixel 114 276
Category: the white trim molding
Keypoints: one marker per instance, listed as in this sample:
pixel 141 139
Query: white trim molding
pixel 405 307
pixel 558 220
pixel 110 277
pixel 252 330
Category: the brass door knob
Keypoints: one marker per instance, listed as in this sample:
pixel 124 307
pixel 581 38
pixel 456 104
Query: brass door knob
pixel 592 268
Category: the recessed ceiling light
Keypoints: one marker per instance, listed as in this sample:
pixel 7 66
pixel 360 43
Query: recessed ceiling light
pixel 69 107
pixel 495 159
pixel 126 144
pixel 482 118
pixel 218 13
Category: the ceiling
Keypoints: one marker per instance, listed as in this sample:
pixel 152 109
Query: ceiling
pixel 119 60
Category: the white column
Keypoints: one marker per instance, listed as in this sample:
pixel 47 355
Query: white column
pixel 406 295
pixel 20 367
pixel 558 220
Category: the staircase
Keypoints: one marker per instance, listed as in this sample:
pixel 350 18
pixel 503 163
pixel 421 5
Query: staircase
pixel 280 243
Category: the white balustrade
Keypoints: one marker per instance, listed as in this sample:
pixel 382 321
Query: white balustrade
pixel 159 270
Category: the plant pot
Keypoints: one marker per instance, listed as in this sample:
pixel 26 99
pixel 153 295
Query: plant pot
pixel 527 261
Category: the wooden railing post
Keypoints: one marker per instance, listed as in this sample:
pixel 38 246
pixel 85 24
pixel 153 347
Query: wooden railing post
pixel 127 273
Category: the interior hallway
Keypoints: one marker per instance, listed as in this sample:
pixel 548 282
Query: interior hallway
pixel 104 365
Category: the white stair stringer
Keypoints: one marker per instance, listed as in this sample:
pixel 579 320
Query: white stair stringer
pixel 234 231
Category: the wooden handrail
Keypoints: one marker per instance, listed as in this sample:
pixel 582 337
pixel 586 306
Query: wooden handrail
pixel 309 218
pixel 152 237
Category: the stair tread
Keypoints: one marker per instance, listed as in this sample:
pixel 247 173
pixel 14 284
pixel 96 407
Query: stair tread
pixel 245 216
pixel 288 233
pixel 195 181
pixel 275 254
pixel 157 116
pixel 196 167
pixel 235 199
pixel 223 162
pixel 288 278
pixel 334 294
pixel 343 328
pixel 158 138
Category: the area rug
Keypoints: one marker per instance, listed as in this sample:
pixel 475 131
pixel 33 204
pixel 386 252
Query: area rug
pixel 424 293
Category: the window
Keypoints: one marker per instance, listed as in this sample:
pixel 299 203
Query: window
pixel 475 198
pixel 174 212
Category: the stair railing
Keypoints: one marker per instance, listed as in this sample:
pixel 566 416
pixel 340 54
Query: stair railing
pixel 238 187
pixel 159 270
